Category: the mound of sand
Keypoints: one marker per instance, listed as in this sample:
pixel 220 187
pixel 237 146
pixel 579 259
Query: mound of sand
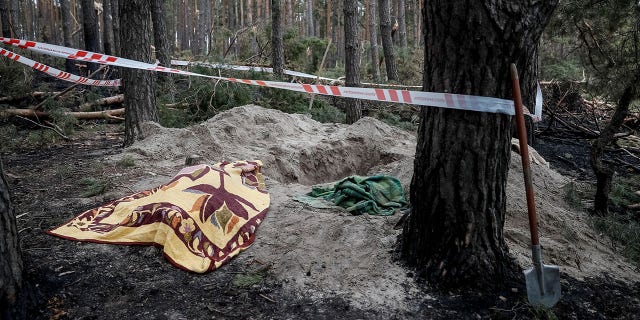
pixel 327 252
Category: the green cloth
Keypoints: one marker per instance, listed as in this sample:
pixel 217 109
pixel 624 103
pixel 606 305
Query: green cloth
pixel 376 195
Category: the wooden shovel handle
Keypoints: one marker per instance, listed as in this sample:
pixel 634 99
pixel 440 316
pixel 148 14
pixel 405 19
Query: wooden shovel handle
pixel 524 154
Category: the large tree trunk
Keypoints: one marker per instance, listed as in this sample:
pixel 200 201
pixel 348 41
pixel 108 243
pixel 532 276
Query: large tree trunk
pixel 604 172
pixel 373 39
pixel 277 47
pixel 138 85
pixel 10 257
pixel 454 235
pixel 352 58
pixel 387 40
pixel 5 19
pixel 90 29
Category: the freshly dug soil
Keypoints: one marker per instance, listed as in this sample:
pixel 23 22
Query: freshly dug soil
pixel 306 262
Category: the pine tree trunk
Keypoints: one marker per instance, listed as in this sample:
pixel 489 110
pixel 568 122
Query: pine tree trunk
pixel 387 40
pixel 10 257
pixel 90 29
pixel 15 22
pixel 107 23
pixel 161 38
pixel 65 10
pixel 5 18
pixel 604 172
pixel 277 48
pixel 417 22
pixel 308 13
pixel 115 20
pixel 402 24
pixel 352 58
pixel 138 85
pixel 201 29
pixel 454 235
pixel 373 39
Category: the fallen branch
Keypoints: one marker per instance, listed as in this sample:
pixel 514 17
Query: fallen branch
pixel 54 129
pixel 95 115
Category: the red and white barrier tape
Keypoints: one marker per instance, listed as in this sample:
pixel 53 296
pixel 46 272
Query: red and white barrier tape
pixel 58 73
pixel 442 100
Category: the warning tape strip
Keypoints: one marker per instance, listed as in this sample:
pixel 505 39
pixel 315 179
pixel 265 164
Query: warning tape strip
pixel 422 98
pixel 58 73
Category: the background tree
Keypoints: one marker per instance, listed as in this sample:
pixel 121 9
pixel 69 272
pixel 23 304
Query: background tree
pixel 160 34
pixel 10 257
pixel 352 58
pixel 65 11
pixel 387 40
pixel 90 29
pixel 608 42
pixel 402 24
pixel 107 27
pixel 454 235
pixel 4 18
pixel 277 47
pixel 373 40
pixel 138 86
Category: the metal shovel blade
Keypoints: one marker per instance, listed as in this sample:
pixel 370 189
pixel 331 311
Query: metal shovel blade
pixel 543 286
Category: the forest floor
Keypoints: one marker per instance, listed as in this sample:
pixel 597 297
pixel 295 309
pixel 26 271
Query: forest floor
pixel 306 263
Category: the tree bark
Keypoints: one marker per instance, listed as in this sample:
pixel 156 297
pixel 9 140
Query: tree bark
pixel 387 40
pixel 5 18
pixel 277 47
pixel 308 13
pixel 352 58
pixel 65 10
pixel 161 38
pixel 201 30
pixel 138 85
pixel 16 22
pixel 454 235
pixel 604 172
pixel 373 39
pixel 90 29
pixel 107 23
pixel 115 17
pixel 402 24
pixel 11 280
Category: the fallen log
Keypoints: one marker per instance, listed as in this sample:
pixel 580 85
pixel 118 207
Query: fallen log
pixel 88 106
pixel 93 115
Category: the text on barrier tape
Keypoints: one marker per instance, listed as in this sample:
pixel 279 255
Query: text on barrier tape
pixel 422 98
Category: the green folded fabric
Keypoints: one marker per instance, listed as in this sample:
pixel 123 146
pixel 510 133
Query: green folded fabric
pixel 375 195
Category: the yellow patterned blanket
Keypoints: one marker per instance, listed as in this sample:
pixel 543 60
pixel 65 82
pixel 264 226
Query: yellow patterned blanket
pixel 202 218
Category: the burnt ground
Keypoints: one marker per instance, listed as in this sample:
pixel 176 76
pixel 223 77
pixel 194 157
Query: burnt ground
pixel 76 280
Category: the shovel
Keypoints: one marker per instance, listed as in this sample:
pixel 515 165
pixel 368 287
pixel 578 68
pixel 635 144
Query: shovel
pixel 543 281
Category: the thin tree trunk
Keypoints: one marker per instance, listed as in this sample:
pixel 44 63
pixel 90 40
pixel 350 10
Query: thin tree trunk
pixel 65 10
pixel 373 39
pixel 387 40
pixel 115 20
pixel 308 13
pixel 201 30
pixel 418 23
pixel 5 18
pixel 11 281
pixel 402 24
pixel 138 85
pixel 454 235
pixel 604 172
pixel 352 58
pixel 107 27
pixel 90 29
pixel 277 47
pixel 16 22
